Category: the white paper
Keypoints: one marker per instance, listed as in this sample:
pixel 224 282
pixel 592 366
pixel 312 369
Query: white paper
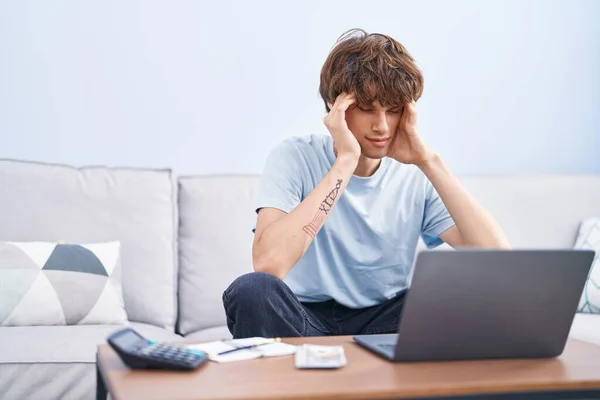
pixel 267 350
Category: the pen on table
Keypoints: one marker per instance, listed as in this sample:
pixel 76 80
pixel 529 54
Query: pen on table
pixel 251 346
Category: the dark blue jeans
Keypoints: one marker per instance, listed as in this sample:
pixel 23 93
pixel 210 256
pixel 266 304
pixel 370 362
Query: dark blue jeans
pixel 260 304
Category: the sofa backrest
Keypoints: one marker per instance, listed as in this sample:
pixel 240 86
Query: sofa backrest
pixel 215 244
pixel 203 225
pixel 44 202
pixel 217 215
pixel 538 211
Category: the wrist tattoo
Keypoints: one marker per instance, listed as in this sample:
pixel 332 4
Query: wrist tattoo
pixel 324 208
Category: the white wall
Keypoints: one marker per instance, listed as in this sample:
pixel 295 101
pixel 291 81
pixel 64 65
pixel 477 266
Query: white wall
pixel 210 87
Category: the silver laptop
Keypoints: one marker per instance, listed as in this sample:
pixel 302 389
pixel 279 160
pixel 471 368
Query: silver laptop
pixel 485 304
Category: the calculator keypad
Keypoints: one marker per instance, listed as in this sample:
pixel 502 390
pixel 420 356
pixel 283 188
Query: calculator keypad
pixel 170 354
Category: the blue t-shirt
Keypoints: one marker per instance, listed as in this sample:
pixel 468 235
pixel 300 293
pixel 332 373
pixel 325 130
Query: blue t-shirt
pixel 365 251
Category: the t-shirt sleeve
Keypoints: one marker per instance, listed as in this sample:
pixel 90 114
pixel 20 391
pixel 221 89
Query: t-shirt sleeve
pixel 436 218
pixel 281 181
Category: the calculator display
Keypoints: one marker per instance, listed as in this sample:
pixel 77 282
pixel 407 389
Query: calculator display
pixel 129 340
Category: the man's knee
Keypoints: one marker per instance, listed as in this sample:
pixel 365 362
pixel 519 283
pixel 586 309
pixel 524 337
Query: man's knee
pixel 251 289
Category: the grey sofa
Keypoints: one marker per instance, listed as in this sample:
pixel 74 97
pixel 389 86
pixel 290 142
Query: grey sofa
pixel 185 238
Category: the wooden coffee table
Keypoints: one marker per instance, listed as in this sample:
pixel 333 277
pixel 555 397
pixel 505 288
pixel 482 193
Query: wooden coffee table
pixel 575 374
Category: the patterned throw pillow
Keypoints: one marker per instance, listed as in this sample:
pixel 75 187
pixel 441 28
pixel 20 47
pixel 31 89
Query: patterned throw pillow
pixel 589 238
pixel 44 283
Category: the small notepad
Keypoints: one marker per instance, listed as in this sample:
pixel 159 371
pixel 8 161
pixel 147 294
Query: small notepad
pixel 268 350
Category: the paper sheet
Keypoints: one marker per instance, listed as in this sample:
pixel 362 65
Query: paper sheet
pixel 268 350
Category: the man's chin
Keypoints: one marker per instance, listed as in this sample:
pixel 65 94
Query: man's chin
pixel 374 154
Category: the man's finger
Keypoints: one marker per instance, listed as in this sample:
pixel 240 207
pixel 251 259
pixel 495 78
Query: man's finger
pixel 347 102
pixel 338 99
pixel 411 112
pixel 407 110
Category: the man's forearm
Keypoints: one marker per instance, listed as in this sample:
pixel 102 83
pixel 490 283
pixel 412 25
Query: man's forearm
pixel 476 226
pixel 285 241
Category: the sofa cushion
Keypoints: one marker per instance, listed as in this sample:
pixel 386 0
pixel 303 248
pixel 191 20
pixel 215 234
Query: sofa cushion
pixel 44 283
pixel 209 334
pixel 136 207
pixel 215 238
pixel 68 381
pixel 63 344
pixel 586 327
pixel 538 211
pixel 589 238
pixel 57 362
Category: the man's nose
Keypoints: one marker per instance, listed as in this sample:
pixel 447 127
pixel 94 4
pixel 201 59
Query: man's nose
pixel 380 124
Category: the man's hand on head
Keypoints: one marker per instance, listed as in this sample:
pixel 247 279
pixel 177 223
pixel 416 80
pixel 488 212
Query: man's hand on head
pixel 345 143
pixel 407 146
